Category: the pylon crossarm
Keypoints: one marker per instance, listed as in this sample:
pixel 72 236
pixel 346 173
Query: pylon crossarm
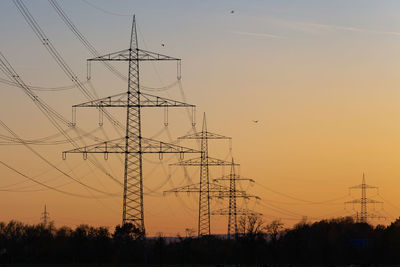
pixel 372 201
pixel 154 146
pixel 148 100
pixel 215 191
pixel 119 100
pixel 375 216
pixel 195 188
pixel 217 188
pixel 204 135
pixel 370 216
pixel 360 186
pixel 149 56
pixel 225 211
pixel 118 146
pixel 122 55
pixel 238 194
pixel 113 146
pixel 198 162
pixel 234 177
pixel 368 201
pixel 125 55
pixel 355 201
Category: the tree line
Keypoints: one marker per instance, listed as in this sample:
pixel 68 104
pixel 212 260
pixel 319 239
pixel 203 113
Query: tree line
pixel 333 241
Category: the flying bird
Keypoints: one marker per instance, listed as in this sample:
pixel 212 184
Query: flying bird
pixel 162 44
pixel 255 121
pixel 232 11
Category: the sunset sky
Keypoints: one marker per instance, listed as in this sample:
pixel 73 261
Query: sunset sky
pixel 321 78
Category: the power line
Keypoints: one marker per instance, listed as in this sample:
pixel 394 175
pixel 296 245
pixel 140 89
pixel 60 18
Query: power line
pixel 49 46
pixel 58 58
pixel 72 86
pixel 42 184
pixel 51 164
pixel 296 198
pixel 83 39
pixel 68 71
pixel 41 88
pixel 49 112
pixel 45 140
pixel 104 10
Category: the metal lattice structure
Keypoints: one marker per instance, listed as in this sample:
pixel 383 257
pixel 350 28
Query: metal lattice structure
pixel 363 215
pixel 45 216
pixel 133 145
pixel 205 189
pixel 232 211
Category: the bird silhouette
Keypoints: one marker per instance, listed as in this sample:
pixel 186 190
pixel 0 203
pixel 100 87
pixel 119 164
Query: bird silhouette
pixel 232 11
pixel 162 44
pixel 255 121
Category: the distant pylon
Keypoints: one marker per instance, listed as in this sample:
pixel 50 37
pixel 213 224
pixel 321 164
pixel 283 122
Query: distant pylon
pixel 45 216
pixel 233 211
pixel 205 189
pixel 362 216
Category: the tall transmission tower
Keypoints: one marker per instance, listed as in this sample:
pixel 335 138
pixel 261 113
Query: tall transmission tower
pixel 133 145
pixel 232 211
pixel 205 189
pixel 363 215
pixel 45 216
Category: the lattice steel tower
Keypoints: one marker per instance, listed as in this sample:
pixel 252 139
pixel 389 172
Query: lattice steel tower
pixel 133 145
pixel 205 189
pixel 45 216
pixel 364 201
pixel 232 211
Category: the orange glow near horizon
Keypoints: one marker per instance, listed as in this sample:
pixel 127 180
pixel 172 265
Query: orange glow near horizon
pixel 324 90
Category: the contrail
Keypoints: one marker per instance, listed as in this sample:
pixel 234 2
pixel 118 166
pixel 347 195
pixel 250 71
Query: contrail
pixel 257 34
pixel 348 29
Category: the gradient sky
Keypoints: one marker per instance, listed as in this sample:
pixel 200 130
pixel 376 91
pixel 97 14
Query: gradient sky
pixel 320 76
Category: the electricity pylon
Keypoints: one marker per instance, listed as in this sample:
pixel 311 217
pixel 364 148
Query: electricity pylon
pixel 133 145
pixel 363 215
pixel 232 210
pixel 45 216
pixel 205 189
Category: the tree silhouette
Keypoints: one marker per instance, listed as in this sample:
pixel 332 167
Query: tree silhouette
pixel 335 241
